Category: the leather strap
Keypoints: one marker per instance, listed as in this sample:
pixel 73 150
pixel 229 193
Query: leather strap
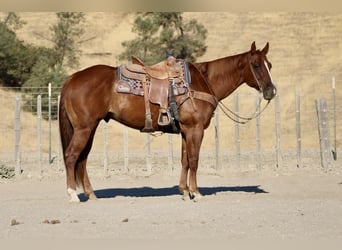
pixel 200 96
pixel 205 97
pixel 148 116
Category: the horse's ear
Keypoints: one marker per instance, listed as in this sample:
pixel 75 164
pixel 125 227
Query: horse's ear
pixel 265 50
pixel 253 47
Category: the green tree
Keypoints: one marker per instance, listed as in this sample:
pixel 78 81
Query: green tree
pixel 16 58
pixel 158 32
pixel 65 35
pixel 44 72
pixel 34 67
pixel 51 65
pixel 13 21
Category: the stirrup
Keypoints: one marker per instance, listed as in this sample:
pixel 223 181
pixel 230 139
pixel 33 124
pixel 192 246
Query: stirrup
pixel 164 118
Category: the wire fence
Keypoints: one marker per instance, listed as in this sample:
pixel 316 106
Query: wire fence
pixel 285 136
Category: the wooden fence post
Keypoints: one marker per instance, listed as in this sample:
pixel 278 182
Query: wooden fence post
pixel 298 130
pixel 257 137
pixel 217 139
pixel 17 130
pixel 237 130
pixel 278 130
pixel 39 131
pixel 60 166
pixel 334 119
pixel 148 154
pixel 125 144
pixel 323 132
pixel 105 149
pixel 49 114
pixel 170 152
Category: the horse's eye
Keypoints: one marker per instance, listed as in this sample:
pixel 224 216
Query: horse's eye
pixel 256 65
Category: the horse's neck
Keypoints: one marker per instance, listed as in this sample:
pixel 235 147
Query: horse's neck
pixel 224 75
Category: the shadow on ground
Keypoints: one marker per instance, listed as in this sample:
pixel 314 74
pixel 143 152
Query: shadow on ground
pixel 168 191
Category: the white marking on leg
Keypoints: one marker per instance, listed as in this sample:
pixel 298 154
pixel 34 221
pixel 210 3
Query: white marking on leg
pixel 186 195
pixel 92 196
pixel 73 195
pixel 198 197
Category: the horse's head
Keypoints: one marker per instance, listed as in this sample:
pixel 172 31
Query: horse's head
pixel 259 75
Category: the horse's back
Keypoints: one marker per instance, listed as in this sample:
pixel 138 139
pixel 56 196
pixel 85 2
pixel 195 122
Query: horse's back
pixel 89 91
pixel 90 78
pixel 94 73
pixel 98 67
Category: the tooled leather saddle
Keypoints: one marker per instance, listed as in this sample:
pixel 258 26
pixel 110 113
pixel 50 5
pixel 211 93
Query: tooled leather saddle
pixel 158 84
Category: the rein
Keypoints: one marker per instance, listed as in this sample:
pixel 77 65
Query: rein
pixel 236 117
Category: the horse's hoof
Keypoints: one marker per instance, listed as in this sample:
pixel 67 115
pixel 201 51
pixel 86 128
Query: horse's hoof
pixel 92 197
pixel 195 196
pixel 186 196
pixel 73 196
pixel 74 201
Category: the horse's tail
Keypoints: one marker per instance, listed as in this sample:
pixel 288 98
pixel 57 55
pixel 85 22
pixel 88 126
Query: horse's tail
pixel 66 130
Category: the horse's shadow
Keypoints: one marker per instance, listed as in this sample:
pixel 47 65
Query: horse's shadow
pixel 167 191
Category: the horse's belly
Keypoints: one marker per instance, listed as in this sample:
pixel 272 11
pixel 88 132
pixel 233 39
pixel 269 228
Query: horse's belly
pixel 130 110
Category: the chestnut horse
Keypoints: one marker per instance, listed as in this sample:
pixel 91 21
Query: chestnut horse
pixel 90 95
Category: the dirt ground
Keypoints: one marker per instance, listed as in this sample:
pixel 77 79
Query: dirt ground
pixel 247 205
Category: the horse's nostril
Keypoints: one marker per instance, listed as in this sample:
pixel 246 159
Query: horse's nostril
pixel 270 92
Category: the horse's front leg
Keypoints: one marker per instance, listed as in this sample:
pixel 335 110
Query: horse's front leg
pixel 193 141
pixel 183 183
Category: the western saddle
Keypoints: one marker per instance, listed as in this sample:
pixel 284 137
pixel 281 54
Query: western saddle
pixel 158 84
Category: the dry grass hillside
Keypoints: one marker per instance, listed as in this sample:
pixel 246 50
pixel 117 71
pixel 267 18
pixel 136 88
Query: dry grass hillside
pixel 305 50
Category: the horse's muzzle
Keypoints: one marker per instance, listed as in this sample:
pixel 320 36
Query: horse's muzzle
pixel 269 92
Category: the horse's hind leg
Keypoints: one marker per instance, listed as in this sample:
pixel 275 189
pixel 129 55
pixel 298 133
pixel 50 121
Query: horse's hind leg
pixel 77 144
pixel 81 170
pixel 82 176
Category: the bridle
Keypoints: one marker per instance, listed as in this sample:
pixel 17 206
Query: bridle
pixel 227 111
pixel 234 116
pixel 253 73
